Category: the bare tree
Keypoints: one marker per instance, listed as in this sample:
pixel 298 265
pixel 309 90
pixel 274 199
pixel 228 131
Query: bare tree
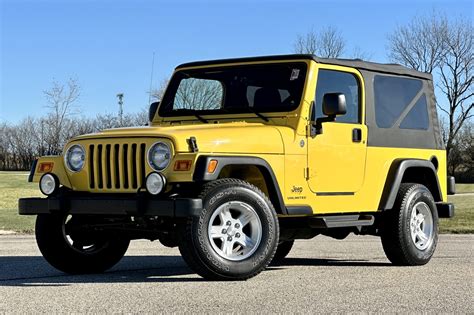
pixel 420 44
pixel 198 94
pixel 4 153
pixel 433 43
pixel 457 77
pixel 307 44
pixel 61 100
pixel 25 142
pixel 358 53
pixel 157 94
pixel 140 118
pixel 328 43
pixel 461 157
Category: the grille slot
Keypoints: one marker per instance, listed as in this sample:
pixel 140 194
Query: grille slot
pixel 107 164
pixel 116 166
pixel 91 166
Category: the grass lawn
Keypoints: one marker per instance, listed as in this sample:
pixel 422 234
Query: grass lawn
pixel 14 185
pixel 463 221
pixel 464 188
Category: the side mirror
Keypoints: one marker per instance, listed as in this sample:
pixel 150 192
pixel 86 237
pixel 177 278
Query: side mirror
pixel 334 104
pixel 152 110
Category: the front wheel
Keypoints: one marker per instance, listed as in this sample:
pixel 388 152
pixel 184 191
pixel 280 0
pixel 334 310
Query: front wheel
pixel 236 234
pixel 62 244
pixel 410 230
pixel 283 249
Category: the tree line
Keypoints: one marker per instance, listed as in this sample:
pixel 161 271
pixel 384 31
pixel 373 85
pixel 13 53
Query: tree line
pixel 21 143
pixel 431 43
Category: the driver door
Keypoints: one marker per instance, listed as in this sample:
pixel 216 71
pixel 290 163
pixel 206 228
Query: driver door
pixel 336 157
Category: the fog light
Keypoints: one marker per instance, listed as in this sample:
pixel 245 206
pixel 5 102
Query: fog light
pixel 49 184
pixel 155 183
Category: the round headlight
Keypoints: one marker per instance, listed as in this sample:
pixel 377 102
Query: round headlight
pixel 75 157
pixel 159 156
pixel 48 184
pixel 155 182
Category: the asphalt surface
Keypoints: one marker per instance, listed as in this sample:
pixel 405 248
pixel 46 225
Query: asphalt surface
pixel 320 275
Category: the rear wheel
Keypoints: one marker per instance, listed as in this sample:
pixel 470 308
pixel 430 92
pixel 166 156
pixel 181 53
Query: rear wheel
pixel 410 230
pixel 62 244
pixel 236 234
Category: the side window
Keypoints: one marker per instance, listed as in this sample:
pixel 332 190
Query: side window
pixel 417 117
pixel 392 95
pixel 330 81
pixel 199 94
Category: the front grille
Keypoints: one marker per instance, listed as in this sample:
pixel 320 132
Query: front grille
pixel 116 166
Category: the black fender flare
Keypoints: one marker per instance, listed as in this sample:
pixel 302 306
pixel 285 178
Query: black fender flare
pixel 201 174
pixel 395 175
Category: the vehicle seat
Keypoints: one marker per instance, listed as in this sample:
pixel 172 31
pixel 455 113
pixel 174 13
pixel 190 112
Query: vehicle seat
pixel 266 98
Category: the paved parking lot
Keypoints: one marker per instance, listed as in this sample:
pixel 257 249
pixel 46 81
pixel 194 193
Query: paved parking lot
pixel 320 275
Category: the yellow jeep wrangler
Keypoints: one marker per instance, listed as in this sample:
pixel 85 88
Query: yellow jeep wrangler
pixel 242 157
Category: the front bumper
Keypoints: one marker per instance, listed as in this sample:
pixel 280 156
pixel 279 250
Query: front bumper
pixel 111 205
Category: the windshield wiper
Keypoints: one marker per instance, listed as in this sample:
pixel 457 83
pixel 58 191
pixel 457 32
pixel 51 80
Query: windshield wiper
pixel 202 119
pixel 192 112
pixel 258 114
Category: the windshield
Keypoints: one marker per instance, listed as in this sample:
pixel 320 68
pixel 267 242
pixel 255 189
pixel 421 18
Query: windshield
pixel 276 87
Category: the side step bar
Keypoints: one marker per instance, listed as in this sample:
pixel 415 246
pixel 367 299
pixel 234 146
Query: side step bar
pixel 338 221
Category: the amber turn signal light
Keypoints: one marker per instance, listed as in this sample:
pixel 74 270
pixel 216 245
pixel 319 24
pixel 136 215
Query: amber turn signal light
pixel 211 167
pixel 183 165
pixel 45 167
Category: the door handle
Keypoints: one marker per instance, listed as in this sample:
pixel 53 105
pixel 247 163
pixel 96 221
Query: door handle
pixel 356 135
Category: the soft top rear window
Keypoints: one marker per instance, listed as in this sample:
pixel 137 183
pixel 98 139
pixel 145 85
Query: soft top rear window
pixel 276 87
pixel 392 96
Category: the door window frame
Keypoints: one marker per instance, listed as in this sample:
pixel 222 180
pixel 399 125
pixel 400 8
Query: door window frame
pixel 361 89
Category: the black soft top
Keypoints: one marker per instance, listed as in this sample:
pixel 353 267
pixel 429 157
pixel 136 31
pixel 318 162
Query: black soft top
pixel 354 63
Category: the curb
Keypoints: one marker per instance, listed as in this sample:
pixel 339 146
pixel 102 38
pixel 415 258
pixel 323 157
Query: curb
pixel 3 232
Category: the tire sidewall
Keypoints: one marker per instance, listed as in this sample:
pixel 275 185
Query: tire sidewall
pixel 266 249
pixel 56 250
pixel 419 194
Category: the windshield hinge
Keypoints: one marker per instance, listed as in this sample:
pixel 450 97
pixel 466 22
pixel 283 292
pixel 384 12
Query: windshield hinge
pixel 193 147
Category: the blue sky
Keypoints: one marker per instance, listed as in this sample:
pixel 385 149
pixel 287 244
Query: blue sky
pixel 108 45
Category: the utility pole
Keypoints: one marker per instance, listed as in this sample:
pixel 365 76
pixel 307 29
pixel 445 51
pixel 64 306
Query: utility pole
pixel 120 103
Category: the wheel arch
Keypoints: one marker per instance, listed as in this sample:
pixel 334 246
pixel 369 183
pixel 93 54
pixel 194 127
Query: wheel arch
pixel 226 162
pixel 409 171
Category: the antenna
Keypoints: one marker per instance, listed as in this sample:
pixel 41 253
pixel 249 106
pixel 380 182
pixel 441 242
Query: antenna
pixel 151 78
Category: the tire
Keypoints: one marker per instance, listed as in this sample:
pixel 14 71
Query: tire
pixel 283 249
pixel 72 253
pixel 410 230
pixel 248 227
